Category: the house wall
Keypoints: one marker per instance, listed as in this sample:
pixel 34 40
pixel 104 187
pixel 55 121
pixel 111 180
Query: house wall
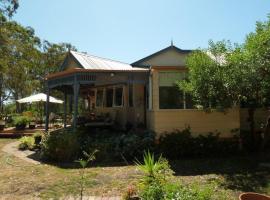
pixel 200 122
pixel 168 58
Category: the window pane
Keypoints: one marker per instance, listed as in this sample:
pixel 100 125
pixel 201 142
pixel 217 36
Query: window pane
pixel 170 98
pixel 109 97
pixel 169 78
pixel 118 96
pixel 130 95
pixel 99 100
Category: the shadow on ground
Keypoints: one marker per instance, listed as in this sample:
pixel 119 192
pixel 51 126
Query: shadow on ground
pixel 239 173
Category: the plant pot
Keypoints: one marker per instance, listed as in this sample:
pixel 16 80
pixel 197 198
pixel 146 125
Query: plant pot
pixel 253 196
pixel 2 125
pixel 32 125
pixel 20 127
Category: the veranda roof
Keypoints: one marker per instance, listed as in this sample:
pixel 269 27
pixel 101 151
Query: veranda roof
pixel 41 97
pixel 91 62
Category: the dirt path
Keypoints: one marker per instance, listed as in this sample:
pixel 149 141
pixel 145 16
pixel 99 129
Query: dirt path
pixel 12 148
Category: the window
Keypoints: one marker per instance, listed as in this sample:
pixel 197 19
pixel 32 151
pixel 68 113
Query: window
pixel 109 97
pixel 99 98
pixel 170 97
pixel 130 95
pixel 118 97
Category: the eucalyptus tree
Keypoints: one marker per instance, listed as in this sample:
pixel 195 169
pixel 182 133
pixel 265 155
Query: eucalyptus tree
pixel 8 7
pixel 21 58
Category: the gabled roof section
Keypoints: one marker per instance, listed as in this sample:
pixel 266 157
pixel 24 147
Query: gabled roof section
pixel 90 62
pixel 141 62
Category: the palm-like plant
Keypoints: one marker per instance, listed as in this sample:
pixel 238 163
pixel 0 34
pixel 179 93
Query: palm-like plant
pixel 155 170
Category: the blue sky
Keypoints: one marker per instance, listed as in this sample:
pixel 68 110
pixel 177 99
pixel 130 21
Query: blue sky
pixel 127 30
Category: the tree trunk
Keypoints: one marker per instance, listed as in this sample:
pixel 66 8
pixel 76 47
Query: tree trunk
pixel 251 112
pixel 17 104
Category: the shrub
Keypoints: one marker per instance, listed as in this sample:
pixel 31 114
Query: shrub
pixel 156 175
pixel 178 191
pixel 60 145
pixel 21 121
pixel 156 183
pixel 134 144
pixel 176 144
pixel 27 142
pixel 37 138
pixel 117 146
pixel 181 144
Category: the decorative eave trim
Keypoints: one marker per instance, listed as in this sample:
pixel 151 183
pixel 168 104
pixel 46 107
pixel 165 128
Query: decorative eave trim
pixel 79 70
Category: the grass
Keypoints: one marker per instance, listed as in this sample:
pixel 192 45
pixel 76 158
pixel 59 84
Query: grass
pixel 226 176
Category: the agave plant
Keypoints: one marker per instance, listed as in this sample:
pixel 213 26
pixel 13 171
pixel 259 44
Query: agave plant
pixel 155 170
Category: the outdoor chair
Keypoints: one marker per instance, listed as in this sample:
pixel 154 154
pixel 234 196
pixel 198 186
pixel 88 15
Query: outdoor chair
pixel 253 196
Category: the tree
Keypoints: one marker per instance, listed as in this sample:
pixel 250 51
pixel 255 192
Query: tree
pixel 52 57
pixel 8 7
pixel 22 57
pixel 223 76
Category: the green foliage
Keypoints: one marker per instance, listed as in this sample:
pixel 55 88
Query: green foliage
pixel 156 183
pixel 27 142
pixel 60 146
pixel 8 7
pixel 21 121
pixel 181 192
pixel 211 79
pixel 117 146
pixel 24 60
pixel 37 138
pixel 180 144
pixel 83 163
pixel 156 175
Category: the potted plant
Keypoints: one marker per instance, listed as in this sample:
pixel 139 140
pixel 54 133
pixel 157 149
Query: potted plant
pixel 2 123
pixel 20 122
pixel 32 124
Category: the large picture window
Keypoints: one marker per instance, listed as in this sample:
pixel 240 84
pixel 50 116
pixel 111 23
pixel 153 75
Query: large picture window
pixel 170 97
pixel 109 97
pixel 118 96
pixel 99 98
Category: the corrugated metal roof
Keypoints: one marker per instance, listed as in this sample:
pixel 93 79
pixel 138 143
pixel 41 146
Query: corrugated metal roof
pixel 97 63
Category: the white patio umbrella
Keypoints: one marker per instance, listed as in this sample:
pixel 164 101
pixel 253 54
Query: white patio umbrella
pixel 39 98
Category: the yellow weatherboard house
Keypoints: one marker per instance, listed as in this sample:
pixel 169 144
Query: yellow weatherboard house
pixel 141 93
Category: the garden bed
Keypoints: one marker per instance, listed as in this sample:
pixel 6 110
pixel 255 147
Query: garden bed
pixel 228 177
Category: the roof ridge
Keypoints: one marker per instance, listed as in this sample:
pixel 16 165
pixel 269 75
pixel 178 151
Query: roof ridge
pixel 160 51
pixel 90 55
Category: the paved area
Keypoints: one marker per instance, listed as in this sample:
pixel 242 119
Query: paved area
pixel 12 149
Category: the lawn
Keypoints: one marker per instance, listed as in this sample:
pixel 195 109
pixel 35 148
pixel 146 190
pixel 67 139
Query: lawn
pixel 226 176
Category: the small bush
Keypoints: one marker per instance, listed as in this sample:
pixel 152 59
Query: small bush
pixel 179 144
pixel 27 142
pixel 178 191
pixel 20 122
pixel 60 145
pixel 156 183
pixel 37 138
pixel 117 146
pixel 176 144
